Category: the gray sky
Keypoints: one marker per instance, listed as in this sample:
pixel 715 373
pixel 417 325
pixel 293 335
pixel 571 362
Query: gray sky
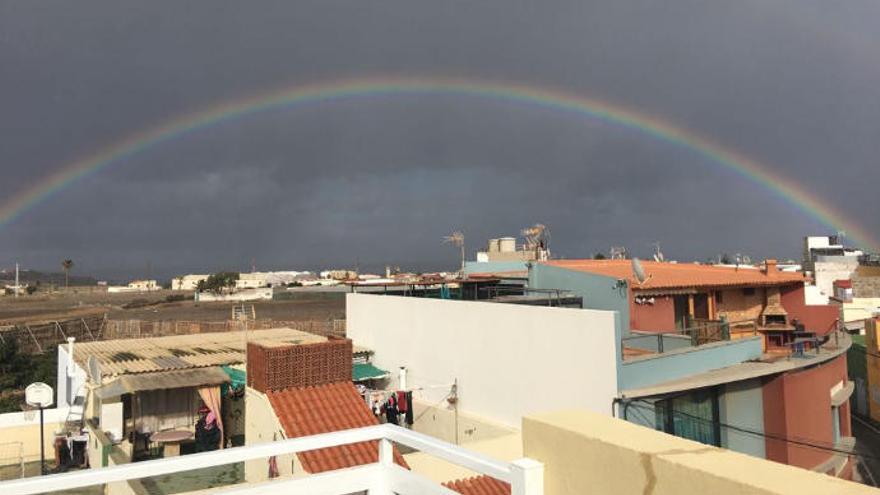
pixel 792 84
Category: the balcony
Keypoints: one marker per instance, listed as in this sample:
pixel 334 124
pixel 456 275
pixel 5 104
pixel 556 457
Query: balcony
pixel 525 476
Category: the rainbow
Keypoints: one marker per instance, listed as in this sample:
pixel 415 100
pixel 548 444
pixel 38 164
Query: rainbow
pixel 656 128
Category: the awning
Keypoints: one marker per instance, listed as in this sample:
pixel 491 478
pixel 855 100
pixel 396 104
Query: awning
pixel 366 371
pixel 196 377
pixel 843 394
pixel 237 377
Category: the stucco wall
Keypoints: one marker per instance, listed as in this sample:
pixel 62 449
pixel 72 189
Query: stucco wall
pixel 587 453
pixel 262 426
pixel 861 308
pixel 439 421
pixel 819 319
pixel 494 266
pixel 19 427
pixel 645 371
pixel 828 269
pixel 798 405
pixel 510 360
pixel 598 291
pixel 656 317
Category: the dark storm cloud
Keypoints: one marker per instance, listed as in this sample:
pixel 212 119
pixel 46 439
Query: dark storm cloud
pixel 381 180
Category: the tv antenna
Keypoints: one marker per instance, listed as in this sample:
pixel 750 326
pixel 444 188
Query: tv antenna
pixel 537 240
pixel 457 239
pixel 658 254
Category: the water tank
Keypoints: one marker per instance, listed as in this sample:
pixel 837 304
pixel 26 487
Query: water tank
pixel 493 245
pixel 507 244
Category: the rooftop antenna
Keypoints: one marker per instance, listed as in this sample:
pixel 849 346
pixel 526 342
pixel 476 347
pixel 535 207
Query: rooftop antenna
pixel 457 239
pixel 658 254
pixel 618 253
pixel 537 240
pixel 639 271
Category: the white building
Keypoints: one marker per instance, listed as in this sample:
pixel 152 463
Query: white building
pixel 136 286
pixel 256 280
pixel 187 282
pixel 506 360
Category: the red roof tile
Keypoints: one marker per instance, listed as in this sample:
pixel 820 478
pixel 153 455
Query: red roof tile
pixel 681 275
pixel 323 409
pixel 479 485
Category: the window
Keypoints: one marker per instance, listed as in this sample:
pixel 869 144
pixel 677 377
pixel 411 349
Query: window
pixel 694 416
pixel 749 291
pixel 719 298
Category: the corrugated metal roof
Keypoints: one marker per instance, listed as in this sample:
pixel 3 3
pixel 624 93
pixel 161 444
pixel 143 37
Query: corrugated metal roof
pixel 323 409
pixel 120 357
pixel 198 377
pixel 681 275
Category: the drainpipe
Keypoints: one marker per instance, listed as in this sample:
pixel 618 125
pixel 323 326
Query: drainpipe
pixel 70 341
pixel 71 394
pixel 402 378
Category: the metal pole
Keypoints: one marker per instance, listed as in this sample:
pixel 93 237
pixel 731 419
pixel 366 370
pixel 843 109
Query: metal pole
pixel 16 280
pixel 42 445
pixel 455 394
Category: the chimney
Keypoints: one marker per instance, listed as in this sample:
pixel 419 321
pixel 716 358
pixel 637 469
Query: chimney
pixel 402 378
pixel 70 363
pixel 770 267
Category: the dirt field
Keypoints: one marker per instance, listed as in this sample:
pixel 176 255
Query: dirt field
pixel 298 306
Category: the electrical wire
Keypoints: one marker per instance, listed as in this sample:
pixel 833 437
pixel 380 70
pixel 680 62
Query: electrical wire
pixel 740 429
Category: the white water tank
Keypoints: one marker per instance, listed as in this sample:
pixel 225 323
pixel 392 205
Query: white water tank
pixel 507 244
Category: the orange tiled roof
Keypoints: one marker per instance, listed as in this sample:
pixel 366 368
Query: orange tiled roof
pixel 501 274
pixel 479 485
pixel 681 275
pixel 323 409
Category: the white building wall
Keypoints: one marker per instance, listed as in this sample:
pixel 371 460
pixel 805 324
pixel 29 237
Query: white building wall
pixel 239 295
pixel 67 387
pixel 510 360
pixel 836 268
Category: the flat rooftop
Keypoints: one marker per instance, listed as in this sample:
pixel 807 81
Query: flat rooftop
pixel 769 364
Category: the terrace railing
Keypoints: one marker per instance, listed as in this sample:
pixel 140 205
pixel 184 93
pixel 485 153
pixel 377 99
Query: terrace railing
pixel 699 332
pixel 525 476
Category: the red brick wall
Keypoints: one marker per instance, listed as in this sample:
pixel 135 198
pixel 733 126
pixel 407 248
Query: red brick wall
pixel 797 405
pixel 656 317
pixel 819 319
pixel 300 365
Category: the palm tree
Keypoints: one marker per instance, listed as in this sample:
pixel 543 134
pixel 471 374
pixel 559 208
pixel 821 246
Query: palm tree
pixel 67 265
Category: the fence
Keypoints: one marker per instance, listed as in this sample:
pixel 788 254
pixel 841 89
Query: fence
pixel 133 329
pixel 37 338
pixel 699 332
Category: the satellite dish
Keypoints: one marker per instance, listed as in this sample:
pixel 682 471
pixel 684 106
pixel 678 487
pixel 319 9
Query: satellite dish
pixel 95 371
pixel 639 271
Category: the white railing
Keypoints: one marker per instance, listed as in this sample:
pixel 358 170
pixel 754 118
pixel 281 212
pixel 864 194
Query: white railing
pixel 525 476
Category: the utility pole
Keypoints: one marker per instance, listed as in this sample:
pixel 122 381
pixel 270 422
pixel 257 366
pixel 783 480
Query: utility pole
pixel 16 280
